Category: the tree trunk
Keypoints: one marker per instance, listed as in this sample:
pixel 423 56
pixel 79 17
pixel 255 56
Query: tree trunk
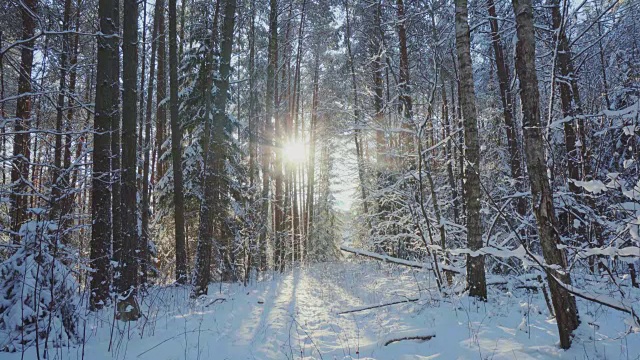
pixel 209 206
pixel 268 128
pixel 57 179
pixel 378 89
pixel 475 264
pixel 312 155
pixel 252 118
pixel 146 209
pixel 285 137
pixel 106 105
pixel 277 168
pixel 116 153
pixel 176 148
pixel 141 107
pixel 563 302
pixel 295 104
pixel 67 206
pixel 450 156
pixel 504 81
pixel 128 308
pixel 564 79
pixel 406 102
pixel 202 271
pixel 356 113
pixel 161 94
pixel 21 149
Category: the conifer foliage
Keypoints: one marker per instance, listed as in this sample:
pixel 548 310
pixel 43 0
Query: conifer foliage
pixel 39 292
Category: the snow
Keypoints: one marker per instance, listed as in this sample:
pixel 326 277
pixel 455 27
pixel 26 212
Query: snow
pixel 629 130
pixel 628 163
pixel 295 316
pixel 592 186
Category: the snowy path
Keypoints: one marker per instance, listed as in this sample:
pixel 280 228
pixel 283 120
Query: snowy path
pixel 294 316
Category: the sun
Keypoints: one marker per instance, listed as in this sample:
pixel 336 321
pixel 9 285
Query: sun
pixel 295 152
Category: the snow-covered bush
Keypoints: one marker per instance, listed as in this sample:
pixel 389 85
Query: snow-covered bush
pixel 37 292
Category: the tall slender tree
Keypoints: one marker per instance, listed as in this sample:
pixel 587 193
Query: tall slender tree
pixel 209 205
pixel 146 150
pixel 176 148
pixel 202 273
pixel 105 109
pixel 358 138
pixel 58 179
pixel 504 83
pixel 475 263
pixel 311 168
pixel 126 277
pixel 404 88
pixel 116 143
pixel 21 141
pixel 556 262
pixel 161 94
pixel 268 132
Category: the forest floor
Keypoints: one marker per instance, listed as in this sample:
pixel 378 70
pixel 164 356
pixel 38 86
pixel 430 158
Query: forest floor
pixel 295 316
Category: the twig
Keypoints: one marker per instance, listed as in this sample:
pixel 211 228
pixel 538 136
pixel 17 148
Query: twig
pixel 215 301
pixel 377 306
pixel 423 337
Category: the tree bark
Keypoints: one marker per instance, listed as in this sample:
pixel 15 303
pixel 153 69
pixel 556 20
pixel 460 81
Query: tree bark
pixel 146 149
pixel 116 150
pixel 67 206
pixel 268 133
pixel 543 207
pixel 127 281
pixel 504 81
pixel 57 179
pixel 252 118
pixel 161 94
pixel 450 155
pixel 21 148
pixel 210 203
pixel 295 98
pixel 356 112
pixel 312 156
pixel 106 105
pixel 565 79
pixel 176 148
pixel 277 166
pixel 406 102
pixel 202 272
pixel 475 264
pixel 378 91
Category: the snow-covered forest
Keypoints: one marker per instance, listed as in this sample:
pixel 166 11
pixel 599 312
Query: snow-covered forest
pixel 319 179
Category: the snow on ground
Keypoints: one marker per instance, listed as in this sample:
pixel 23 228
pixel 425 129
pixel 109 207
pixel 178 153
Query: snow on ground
pixel 294 316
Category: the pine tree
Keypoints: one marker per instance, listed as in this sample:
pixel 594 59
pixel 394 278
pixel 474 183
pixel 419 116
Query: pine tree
pixel 202 272
pixel 38 300
pixel 126 275
pixel 176 148
pixel 105 110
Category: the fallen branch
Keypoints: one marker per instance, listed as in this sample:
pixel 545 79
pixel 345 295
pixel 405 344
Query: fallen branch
pixel 215 301
pixel 393 260
pixel 418 337
pixel 377 306
pixel 599 299
pixel 384 258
